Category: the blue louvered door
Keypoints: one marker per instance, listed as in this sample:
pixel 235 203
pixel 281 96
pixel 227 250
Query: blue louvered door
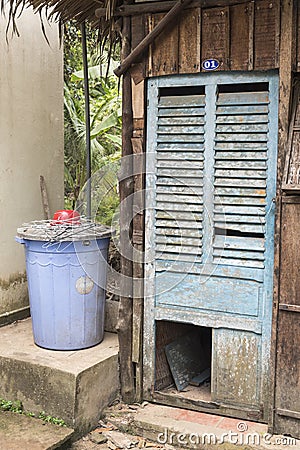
pixel 211 163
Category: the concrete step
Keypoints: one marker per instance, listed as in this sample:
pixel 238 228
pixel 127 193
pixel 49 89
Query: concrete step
pixel 170 427
pixel 73 385
pixel 20 432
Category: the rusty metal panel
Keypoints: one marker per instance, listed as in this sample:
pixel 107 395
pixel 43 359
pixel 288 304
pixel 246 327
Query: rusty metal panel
pixel 266 34
pixel 236 367
pixel 215 36
pixel 189 41
pixel 241 36
pixel 287 395
pixel 164 52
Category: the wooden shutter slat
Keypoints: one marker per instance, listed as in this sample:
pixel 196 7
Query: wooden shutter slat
pixel 179 171
pixel 178 197
pixel 180 101
pixel 179 215
pixel 239 209
pixel 258 137
pixel 234 127
pixel 181 120
pixel 242 109
pixel 174 112
pixel 240 243
pixel 249 201
pixel 173 157
pixel 242 118
pixel 239 262
pixel 244 156
pixel 241 137
pixel 239 172
pixel 240 191
pixel 241 146
pixel 239 182
pixel 243 98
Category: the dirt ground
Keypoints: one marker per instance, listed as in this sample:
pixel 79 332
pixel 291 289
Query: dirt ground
pixel 107 436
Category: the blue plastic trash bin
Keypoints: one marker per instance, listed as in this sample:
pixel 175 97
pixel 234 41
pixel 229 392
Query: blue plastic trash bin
pixel 66 271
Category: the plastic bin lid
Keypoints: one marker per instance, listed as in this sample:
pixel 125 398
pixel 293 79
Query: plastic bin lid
pixel 48 230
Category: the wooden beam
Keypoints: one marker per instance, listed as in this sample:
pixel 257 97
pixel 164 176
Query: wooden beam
pixel 164 6
pixel 167 20
pixel 124 327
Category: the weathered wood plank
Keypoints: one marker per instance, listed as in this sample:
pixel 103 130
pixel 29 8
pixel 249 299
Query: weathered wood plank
pixel 178 215
pixel 232 200
pixel 243 98
pixel 233 381
pixel 236 157
pixel 248 174
pixel 236 242
pixel 164 50
pixel 247 118
pixel 238 182
pixel 285 77
pixel 189 41
pixel 242 109
pixel 254 228
pixel 297 26
pixel 266 34
pixel 240 209
pixel 162 6
pixel 138 32
pixel 242 163
pixel 215 35
pixel 242 128
pixel 246 263
pixel 237 254
pixel 239 37
pixel 235 296
pixel 182 130
pixel 173 156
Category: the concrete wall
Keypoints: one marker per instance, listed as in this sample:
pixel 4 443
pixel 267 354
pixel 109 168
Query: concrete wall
pixel 31 142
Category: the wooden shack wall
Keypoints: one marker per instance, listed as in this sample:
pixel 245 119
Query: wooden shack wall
pixel 241 37
pixel 245 37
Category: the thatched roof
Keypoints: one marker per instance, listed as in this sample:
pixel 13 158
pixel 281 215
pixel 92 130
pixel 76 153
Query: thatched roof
pixel 62 10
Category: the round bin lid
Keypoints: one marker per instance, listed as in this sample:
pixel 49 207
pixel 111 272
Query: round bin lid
pixel 48 230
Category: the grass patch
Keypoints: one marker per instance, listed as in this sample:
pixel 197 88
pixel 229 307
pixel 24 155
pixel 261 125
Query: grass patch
pixel 17 407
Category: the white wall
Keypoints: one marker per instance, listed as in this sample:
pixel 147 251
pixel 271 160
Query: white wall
pixel 31 141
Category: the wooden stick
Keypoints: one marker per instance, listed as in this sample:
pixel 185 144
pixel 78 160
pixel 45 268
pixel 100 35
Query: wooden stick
pixel 45 200
pixel 141 47
pixel 126 189
pixel 164 6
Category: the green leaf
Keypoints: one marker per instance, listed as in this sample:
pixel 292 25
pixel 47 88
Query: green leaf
pixel 107 123
pixel 114 138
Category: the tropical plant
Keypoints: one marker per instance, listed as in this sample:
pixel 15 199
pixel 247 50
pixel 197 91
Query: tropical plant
pixel 105 113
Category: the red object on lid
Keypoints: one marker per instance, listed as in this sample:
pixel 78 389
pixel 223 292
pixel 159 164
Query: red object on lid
pixel 66 216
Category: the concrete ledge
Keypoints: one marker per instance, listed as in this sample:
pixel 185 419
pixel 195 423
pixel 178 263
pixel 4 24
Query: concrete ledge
pixel 21 432
pixel 73 385
pixel 180 428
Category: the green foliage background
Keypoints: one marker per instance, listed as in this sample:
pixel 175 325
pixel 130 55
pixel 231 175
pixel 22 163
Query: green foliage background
pixel 105 111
